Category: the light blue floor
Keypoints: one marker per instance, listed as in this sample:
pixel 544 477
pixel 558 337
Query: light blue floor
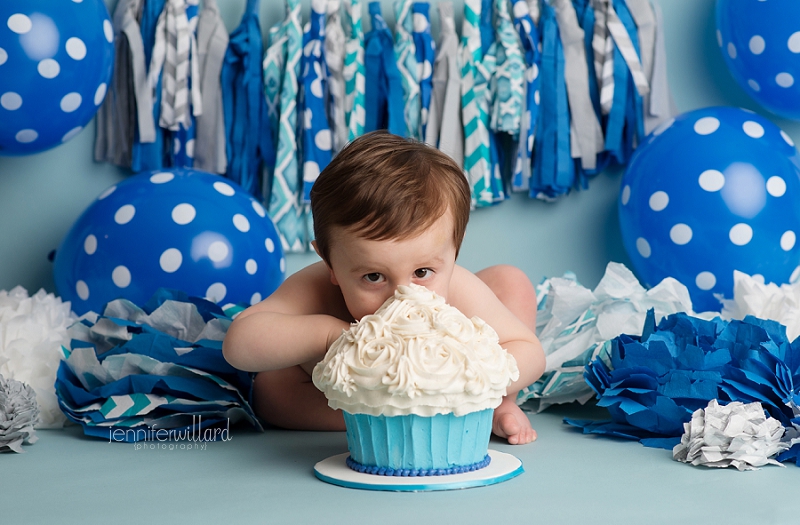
pixel 268 478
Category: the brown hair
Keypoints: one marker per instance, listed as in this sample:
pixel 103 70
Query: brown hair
pixel 384 186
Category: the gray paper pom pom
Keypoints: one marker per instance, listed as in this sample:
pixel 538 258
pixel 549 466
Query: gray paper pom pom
pixel 19 412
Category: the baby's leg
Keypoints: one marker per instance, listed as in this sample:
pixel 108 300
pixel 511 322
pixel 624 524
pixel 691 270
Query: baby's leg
pixel 516 292
pixel 288 399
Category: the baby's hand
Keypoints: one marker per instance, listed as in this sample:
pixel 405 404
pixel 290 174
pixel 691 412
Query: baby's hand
pixel 511 423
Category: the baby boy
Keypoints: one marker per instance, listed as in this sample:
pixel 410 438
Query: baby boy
pixel 387 211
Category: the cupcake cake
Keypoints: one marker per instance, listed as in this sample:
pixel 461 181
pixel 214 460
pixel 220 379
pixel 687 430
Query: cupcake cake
pixel 418 382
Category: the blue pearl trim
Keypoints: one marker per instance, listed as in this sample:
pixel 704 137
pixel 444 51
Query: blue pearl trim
pixel 412 473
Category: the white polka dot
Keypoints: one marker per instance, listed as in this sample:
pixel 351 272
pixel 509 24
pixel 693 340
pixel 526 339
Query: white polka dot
pixel 218 251
pixel 753 85
pixel 100 94
pixel 223 188
pixel 251 266
pixel 626 195
pixel 520 9
pixel 784 80
pixel 705 280
pixel 719 38
pixel 255 298
pixel 787 240
pixel 77 1
pixel 82 289
pixel 711 180
pixel 76 49
pixel 125 214
pixel 108 30
pixel 161 178
pixel 794 42
pixel 323 139
pixel 69 135
pixel 282 264
pixel 787 138
pixel 753 129
pixel 170 260
pixel 270 245
pixel 190 148
pixel 183 213
pixel 216 292
pixel 176 146
pixel 259 209
pixel 19 24
pixel 420 22
pixel 643 247
pixel 659 200
pixel 121 276
pixel 741 234
pixel 706 126
pixel 663 127
pixel 756 45
pixel 70 102
pixel 241 223
pixel 10 101
pixel 757 277
pixel 26 135
pixel 535 71
pixel 3 56
pixel 90 244
pixel 48 68
pixel 731 50
pixel 106 193
pixel 680 233
pixel 536 97
pixel 310 171
pixel 427 71
pixel 776 186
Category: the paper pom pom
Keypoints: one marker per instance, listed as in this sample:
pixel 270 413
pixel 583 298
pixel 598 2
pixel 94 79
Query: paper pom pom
pixel 133 370
pixel 574 322
pixel 733 435
pixel 766 301
pixel 19 413
pixel 652 384
pixel 33 330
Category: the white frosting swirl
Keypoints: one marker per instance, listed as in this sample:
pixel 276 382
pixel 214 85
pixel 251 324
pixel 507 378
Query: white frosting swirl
pixel 416 355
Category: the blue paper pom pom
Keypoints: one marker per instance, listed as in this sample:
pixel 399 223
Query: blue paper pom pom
pixel 652 384
pixel 134 371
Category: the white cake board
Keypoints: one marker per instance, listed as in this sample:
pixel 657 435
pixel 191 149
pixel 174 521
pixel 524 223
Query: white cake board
pixel 334 470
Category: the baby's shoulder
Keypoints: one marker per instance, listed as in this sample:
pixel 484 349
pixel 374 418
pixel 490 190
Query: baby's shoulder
pixel 467 291
pixel 308 291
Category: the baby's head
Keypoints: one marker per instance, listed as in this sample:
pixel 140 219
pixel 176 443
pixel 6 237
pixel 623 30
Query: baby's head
pixel 383 194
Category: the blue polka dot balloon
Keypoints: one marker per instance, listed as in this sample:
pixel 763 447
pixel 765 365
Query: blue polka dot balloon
pixel 56 58
pixel 760 42
pixel 712 191
pixel 183 229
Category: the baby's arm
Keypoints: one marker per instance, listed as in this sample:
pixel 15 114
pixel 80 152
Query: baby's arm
pixel 290 327
pixel 514 326
pixel 473 297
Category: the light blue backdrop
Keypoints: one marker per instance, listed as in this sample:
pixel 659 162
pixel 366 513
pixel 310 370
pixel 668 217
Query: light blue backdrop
pixel 42 195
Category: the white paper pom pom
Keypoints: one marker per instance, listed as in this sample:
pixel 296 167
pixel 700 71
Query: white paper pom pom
pixel 32 331
pixel 751 296
pixel 736 435
pixel 18 415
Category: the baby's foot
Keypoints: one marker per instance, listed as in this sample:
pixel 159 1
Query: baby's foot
pixel 511 423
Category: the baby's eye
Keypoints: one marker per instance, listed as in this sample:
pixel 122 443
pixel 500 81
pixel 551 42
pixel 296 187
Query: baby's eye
pixel 373 278
pixel 422 273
